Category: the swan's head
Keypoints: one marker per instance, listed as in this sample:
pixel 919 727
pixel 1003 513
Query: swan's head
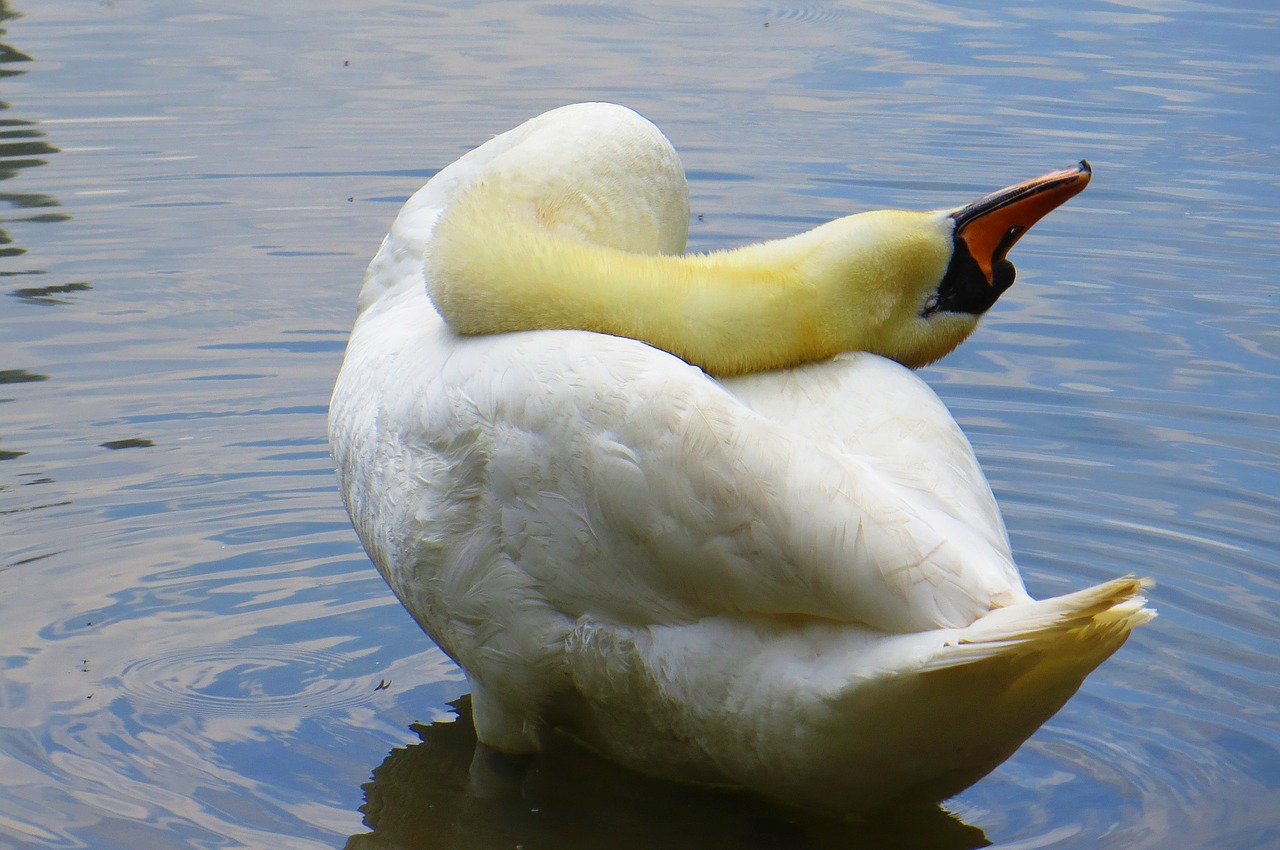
pixel 916 284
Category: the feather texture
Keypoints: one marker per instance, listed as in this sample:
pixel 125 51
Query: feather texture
pixel 797 581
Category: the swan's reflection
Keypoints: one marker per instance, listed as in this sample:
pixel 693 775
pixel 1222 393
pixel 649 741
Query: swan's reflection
pixel 447 793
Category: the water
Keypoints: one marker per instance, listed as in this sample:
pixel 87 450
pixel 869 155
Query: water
pixel 196 653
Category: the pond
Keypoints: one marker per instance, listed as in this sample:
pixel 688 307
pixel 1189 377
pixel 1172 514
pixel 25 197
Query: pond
pixel 195 651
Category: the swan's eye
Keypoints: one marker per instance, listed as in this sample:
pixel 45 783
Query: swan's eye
pixel 930 305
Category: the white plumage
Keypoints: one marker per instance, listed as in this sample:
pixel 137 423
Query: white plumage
pixel 795 581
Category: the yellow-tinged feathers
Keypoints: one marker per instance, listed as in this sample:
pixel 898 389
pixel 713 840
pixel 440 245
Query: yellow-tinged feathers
pixel 857 283
pixel 577 227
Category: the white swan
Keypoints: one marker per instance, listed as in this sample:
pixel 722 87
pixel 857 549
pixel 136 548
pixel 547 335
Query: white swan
pixel 795 581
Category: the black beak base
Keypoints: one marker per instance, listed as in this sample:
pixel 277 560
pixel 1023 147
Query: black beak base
pixel 965 288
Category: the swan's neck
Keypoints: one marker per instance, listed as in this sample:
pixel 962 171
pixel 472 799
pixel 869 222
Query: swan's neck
pixel 857 283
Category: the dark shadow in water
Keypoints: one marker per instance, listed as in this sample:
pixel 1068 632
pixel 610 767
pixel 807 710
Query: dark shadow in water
pixel 22 146
pixel 447 792
pixel 130 443
pixel 17 376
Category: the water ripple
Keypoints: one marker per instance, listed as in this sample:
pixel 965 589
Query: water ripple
pixel 196 641
pixel 255 681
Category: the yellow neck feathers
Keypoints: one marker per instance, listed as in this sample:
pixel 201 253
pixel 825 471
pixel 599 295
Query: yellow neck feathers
pixel 499 264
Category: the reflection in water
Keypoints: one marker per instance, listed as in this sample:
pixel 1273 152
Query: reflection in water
pixel 1123 401
pixel 447 792
pixel 47 294
pixel 20 376
pixel 16 376
pixel 130 443
pixel 21 147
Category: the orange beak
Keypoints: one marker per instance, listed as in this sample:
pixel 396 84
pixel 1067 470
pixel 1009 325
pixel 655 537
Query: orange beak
pixel 991 226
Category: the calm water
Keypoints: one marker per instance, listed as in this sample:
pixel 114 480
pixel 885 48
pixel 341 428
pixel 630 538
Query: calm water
pixel 193 648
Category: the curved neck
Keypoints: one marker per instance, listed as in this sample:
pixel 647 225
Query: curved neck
pixel 765 306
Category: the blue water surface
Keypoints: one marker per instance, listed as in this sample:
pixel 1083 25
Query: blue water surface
pixel 195 652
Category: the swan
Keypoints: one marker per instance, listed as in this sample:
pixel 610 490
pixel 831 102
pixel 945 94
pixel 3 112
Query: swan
pixel 791 577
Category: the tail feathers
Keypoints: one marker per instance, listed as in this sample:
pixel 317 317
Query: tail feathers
pixel 1096 619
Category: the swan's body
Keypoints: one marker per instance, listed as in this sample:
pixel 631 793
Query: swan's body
pixel 796 581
